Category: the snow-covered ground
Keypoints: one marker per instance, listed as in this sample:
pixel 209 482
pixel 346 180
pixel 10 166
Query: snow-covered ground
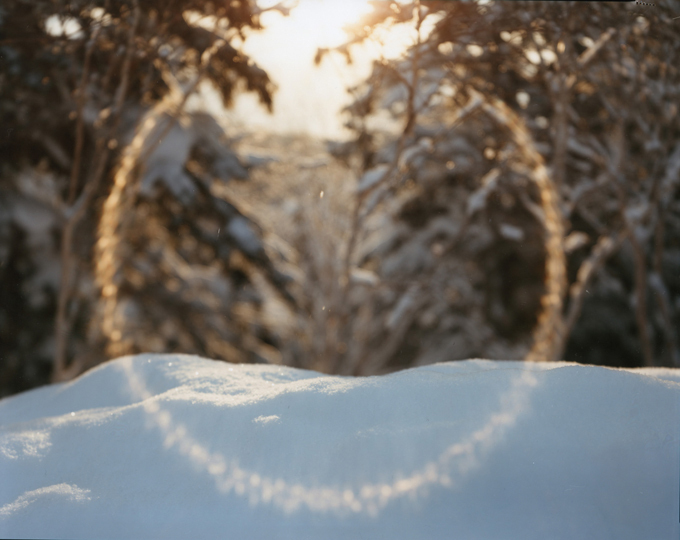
pixel 172 446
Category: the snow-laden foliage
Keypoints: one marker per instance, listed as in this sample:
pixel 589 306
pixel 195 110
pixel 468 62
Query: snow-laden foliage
pixel 173 257
pixel 455 230
pixel 75 79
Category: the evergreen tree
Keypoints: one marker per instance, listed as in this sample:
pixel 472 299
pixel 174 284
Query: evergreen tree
pixel 532 182
pixel 75 78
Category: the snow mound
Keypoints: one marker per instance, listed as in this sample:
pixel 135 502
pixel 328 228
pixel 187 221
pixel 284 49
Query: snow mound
pixel 175 446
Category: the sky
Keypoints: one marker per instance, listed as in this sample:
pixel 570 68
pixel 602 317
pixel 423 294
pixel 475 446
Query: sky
pixel 309 97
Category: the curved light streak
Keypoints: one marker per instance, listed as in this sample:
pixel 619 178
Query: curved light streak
pixel 452 465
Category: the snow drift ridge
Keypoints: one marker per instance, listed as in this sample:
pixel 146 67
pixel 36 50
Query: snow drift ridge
pixel 171 446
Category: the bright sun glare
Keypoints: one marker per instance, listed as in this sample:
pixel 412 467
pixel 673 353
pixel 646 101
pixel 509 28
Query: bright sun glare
pixel 321 22
pixel 309 97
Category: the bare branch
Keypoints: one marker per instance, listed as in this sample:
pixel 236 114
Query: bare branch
pixel 604 248
pixel 590 53
pixel 82 98
pixel 639 256
pixel 54 149
pixel 75 214
pixel 656 281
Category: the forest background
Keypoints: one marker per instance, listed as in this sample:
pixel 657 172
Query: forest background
pixel 506 188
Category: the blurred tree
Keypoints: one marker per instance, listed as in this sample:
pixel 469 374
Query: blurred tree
pixel 75 77
pixel 531 182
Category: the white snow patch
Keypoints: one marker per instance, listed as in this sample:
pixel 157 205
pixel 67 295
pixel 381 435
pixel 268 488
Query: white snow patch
pixel 29 443
pixel 371 178
pixel 266 419
pixel 175 444
pixel 71 492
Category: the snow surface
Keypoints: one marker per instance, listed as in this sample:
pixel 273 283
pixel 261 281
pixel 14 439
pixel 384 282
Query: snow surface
pixel 174 446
